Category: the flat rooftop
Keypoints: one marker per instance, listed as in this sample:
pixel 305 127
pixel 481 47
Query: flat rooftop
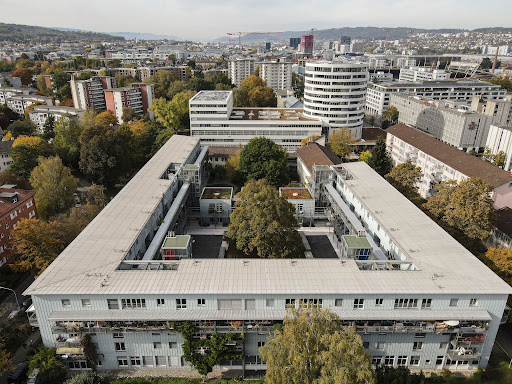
pixel 295 193
pixel 211 96
pixel 179 241
pixel 217 193
pixel 438 84
pixel 258 114
pixel 357 242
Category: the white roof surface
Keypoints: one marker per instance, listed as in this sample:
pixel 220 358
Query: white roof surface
pixel 88 265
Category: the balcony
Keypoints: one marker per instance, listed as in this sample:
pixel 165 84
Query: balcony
pixel 397 329
pixel 463 355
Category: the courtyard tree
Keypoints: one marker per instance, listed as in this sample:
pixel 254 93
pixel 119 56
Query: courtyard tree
pixel 405 177
pixel 380 160
pixel 67 141
pixel 26 150
pixel 261 158
pixel 313 347
pixel 264 223
pixel 341 139
pixel 365 156
pixel 391 114
pixel 466 205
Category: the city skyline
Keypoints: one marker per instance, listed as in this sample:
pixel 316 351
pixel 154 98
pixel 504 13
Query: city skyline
pixel 182 19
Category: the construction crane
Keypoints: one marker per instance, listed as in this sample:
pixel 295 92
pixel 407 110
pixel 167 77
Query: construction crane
pixel 240 34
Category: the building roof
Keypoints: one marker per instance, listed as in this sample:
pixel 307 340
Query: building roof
pixel 6 194
pixel 217 193
pixel 438 84
pixel 6 146
pixel 373 134
pixel 222 151
pixel 461 161
pixel 211 96
pixel 179 241
pixel 315 154
pixel 357 242
pixel 272 114
pixel 295 193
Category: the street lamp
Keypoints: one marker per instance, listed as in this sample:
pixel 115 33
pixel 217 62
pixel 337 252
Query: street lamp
pixel 15 296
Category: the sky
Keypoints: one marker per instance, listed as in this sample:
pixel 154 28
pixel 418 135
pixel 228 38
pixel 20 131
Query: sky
pixel 209 19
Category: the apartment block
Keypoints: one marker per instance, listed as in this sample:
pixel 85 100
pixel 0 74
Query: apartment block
pixel 18 103
pixel 217 123
pixel 137 96
pixel 90 93
pixel 5 154
pixel 180 72
pixel 239 69
pixel 499 140
pixel 40 113
pixel 422 74
pixel 6 92
pixel 276 74
pixel 378 96
pixel 442 162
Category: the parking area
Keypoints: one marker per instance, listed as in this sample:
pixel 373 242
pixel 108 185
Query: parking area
pixel 321 247
pixel 206 246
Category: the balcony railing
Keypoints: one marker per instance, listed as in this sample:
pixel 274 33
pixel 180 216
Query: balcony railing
pixel 461 356
pixel 396 329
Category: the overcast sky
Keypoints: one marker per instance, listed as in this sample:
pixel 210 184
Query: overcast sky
pixel 208 19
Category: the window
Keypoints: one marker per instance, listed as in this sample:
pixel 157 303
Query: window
pixel 135 360
pixel 120 347
pixel 406 303
pixel 415 361
pixel 379 302
pixel 160 302
pixel 113 304
pixel 160 361
pixel 14 214
pixel 173 344
pixel 376 360
pixel 229 303
pixel 86 302
pixel 290 303
pixel 133 303
pixel 181 303
pixel 250 304
pixel 366 344
pixel 358 303
pixel 426 303
pixel 157 344
pixel 310 303
pixel 261 344
pixel 417 346
pixel 6 225
pixel 117 335
pixel 439 360
pixel 473 302
pixel 389 360
pixel 201 302
pixel 29 204
pixel 454 302
pixel 66 303
pixel 443 345
pixel 338 302
pixel 147 361
pixel 402 360
pixel 122 361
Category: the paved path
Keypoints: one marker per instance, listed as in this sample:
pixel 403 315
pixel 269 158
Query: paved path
pixel 9 303
pixel 504 340
pixel 21 353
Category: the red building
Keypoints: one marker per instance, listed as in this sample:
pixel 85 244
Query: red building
pixel 306 45
pixel 15 204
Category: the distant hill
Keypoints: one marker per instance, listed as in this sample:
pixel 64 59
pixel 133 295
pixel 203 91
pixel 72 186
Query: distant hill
pixel 355 33
pixel 493 30
pixel 144 36
pixel 18 33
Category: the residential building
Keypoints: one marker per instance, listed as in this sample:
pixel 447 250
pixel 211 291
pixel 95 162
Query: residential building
pixel 499 110
pixel 303 202
pixel 378 96
pixel 5 154
pixel 216 205
pixel 15 204
pixel 18 103
pixel 239 68
pixel 14 82
pixel 442 162
pixel 381 76
pixel 307 45
pixel 6 92
pixel 90 93
pixel 405 62
pixel 219 156
pixel 40 113
pixel 276 74
pixel 216 122
pixel 499 140
pixel 137 96
pixel 422 74
pixel 334 91
pixel 452 122
pixel 180 72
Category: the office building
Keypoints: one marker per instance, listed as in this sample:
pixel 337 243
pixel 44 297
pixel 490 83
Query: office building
pixel 40 113
pixel 276 74
pixel 239 69
pixel 334 91
pixel 137 96
pixel 442 162
pixel 378 96
pixel 216 122
pixel 422 74
pixel 90 93
pixel 307 45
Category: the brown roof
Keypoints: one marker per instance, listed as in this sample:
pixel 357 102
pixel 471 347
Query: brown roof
pixel 373 134
pixel 504 223
pixel 6 146
pixel 222 151
pixel 6 207
pixel 461 161
pixel 315 154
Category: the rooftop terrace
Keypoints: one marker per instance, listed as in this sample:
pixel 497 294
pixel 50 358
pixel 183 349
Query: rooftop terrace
pixel 214 193
pixel 295 193
pixel 211 96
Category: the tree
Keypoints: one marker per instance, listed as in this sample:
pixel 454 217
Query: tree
pixel 173 115
pixel 261 158
pixel 365 156
pixel 19 128
pixel 5 358
pixel 340 142
pixel 241 97
pixel 25 154
pixel 391 114
pixel 7 116
pixel 24 75
pixel 143 137
pixel 87 378
pixel 49 128
pixel 162 81
pixel 313 347
pixel 486 63
pixel 106 119
pixel 175 88
pixel 466 205
pixel 297 86
pixel 262 97
pixel 501 258
pixel 380 160
pixel 233 167
pixel 198 84
pixel 31 107
pixel 264 222
pixel 51 370
pixel 60 85
pixel 67 141
pixel 252 82
pixel 497 159
pixel 128 114
pixel 54 186
pixel 405 177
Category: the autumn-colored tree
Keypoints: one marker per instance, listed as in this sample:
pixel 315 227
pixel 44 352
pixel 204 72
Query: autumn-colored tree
pixel 25 154
pixel 405 177
pixel 466 205
pixel 501 259
pixel 264 222
pixel 5 359
pixel 341 139
pixel 128 115
pixel 308 139
pixel 106 119
pixel 233 166
pixel 32 141
pixel 262 97
pixel 365 156
pixel 31 107
pixel 391 114
pixel 24 75
pixel 54 186
pixel 313 348
pixel 173 115
pixel 497 159
pixel 252 82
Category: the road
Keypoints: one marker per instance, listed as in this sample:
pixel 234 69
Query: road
pixel 21 353
pixel 9 303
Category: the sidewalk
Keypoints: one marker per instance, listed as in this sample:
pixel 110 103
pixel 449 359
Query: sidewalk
pixel 21 353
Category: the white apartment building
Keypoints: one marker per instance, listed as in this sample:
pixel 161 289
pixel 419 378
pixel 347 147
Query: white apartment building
pixel 499 140
pixel 6 92
pixel 90 93
pixel 415 295
pixel 381 76
pixel 453 123
pixel 442 162
pixel 276 74
pixel 422 74
pixel 214 120
pixel 239 68
pixel 18 103
pixel 137 96
pixel 378 96
pixel 334 91
pixel 378 62
pixel 40 113
pixel 405 62
pixel 5 156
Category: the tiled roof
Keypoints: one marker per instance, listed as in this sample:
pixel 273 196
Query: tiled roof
pixel 315 154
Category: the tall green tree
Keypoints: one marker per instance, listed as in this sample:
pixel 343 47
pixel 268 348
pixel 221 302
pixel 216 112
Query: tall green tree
pixel 380 161
pixel 313 348
pixel 261 158
pixel 60 85
pixel 67 141
pixel 173 115
pixel 49 128
pixel 54 186
pixel 51 370
pixel 466 205
pixel 264 222
pixel 405 177
pixel 21 128
pixel 25 154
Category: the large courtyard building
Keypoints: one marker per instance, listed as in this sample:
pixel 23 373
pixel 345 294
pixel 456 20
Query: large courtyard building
pixel 217 123
pixel 335 91
pixel 416 296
